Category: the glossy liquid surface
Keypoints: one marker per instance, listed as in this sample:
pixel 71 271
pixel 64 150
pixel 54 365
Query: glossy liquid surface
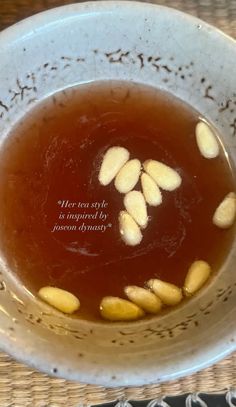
pixel 49 177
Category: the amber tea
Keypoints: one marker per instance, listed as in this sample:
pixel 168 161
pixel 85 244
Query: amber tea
pixel 116 201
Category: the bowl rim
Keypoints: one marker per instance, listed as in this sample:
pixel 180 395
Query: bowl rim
pixel 26 27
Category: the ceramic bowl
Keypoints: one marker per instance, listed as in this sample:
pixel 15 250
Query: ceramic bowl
pixel 142 43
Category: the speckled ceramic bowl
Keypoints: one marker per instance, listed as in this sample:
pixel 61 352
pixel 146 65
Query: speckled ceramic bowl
pixel 147 44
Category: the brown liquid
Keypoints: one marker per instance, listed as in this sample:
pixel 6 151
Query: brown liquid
pixel 54 154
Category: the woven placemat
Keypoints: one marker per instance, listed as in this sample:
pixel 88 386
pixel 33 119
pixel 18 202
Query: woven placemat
pixel 21 386
pixel 221 13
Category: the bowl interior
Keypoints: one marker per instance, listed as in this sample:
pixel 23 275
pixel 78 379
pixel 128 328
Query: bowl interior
pixel 141 43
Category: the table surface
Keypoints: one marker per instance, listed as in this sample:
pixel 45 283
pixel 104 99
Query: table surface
pixel 21 386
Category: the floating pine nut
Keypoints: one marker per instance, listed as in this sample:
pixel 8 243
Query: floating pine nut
pixel 129 230
pixel 128 176
pixel 165 177
pixel 145 299
pixel 224 215
pixel 59 299
pixel 197 275
pixel 168 293
pixel 151 191
pixel 113 160
pixel 206 140
pixel 117 309
pixel 136 206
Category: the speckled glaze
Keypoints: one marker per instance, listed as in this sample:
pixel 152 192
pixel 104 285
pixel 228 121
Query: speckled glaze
pixel 147 44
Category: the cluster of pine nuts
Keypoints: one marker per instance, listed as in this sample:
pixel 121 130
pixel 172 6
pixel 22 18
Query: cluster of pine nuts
pixel 140 301
pixel 126 174
pixel 155 296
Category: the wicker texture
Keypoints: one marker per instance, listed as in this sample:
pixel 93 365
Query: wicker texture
pixel 23 387
pixel 20 386
pixel 221 13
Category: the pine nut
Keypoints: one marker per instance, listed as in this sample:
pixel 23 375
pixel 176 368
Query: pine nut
pixel 118 309
pixel 129 230
pixel 206 140
pixel 224 215
pixel 197 275
pixel 128 176
pixel 168 293
pixel 165 177
pixel 135 205
pixel 145 299
pixel 113 160
pixel 60 299
pixel 151 191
